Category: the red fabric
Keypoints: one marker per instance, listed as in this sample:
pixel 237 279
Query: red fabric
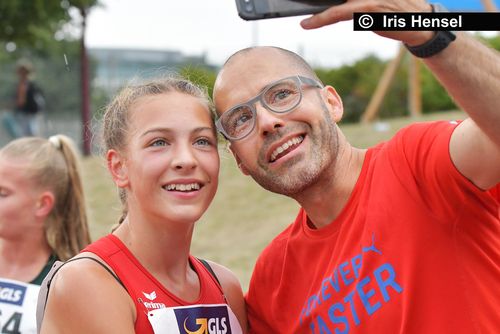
pixel 495 192
pixel 415 250
pixel 139 281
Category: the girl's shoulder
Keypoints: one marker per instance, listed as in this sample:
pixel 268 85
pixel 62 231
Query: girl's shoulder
pixel 82 287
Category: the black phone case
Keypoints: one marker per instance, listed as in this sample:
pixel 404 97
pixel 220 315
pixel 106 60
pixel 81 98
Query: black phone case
pixel 266 9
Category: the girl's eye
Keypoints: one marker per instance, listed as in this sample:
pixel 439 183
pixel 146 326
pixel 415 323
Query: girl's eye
pixel 203 142
pixel 159 142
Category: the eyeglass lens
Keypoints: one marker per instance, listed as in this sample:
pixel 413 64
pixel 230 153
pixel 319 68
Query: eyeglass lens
pixel 280 97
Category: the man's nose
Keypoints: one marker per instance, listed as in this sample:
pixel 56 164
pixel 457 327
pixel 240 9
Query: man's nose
pixel 267 121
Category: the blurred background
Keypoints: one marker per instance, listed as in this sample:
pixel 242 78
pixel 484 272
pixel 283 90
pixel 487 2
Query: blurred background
pixel 83 51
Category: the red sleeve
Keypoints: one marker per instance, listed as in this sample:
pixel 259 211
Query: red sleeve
pixel 420 154
pixel 495 192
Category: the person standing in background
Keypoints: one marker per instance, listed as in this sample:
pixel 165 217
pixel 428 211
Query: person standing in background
pixel 29 101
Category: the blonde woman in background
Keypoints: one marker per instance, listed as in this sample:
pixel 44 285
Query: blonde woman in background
pixel 42 219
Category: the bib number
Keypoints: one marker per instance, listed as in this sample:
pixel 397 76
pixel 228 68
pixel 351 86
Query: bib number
pixel 12 325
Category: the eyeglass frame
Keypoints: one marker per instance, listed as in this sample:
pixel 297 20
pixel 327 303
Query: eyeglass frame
pixel 259 98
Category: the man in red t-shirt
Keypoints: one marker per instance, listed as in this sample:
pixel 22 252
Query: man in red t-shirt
pixel 401 238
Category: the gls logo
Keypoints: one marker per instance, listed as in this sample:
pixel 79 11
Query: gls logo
pixel 12 293
pixel 203 320
pixel 208 326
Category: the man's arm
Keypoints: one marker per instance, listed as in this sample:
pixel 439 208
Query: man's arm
pixel 470 72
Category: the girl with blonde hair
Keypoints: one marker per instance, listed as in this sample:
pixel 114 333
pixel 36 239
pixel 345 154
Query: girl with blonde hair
pixel 161 151
pixel 42 219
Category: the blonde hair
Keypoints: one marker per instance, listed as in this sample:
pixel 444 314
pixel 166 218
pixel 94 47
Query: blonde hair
pixel 53 164
pixel 117 114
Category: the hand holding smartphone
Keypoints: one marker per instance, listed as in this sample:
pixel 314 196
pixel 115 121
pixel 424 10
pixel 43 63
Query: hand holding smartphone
pixel 265 9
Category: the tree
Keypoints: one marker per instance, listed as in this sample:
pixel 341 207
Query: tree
pixel 201 76
pixel 27 22
pixel 83 7
pixel 355 84
pixel 24 21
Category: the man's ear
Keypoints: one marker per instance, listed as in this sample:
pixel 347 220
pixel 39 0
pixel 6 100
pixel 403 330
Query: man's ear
pixel 334 101
pixel 118 168
pixel 45 204
pixel 242 167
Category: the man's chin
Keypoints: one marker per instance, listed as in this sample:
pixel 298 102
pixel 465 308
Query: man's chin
pixel 288 184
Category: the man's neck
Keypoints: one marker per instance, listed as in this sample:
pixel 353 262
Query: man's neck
pixel 325 200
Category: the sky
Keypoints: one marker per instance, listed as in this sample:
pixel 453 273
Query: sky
pixel 213 28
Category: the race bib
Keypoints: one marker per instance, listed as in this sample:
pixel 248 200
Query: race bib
pixel 17 307
pixel 194 319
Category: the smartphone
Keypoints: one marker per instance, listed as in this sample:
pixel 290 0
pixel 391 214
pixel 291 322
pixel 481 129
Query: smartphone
pixel 266 9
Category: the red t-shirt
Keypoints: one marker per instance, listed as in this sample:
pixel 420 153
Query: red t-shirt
pixel 415 250
pixel 148 294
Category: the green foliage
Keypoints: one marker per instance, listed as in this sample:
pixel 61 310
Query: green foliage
pixel 494 42
pixel 34 23
pixel 201 76
pixel 434 96
pixel 23 20
pixel 356 84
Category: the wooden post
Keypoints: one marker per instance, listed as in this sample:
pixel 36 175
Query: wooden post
pixel 414 89
pixel 387 77
pixel 489 5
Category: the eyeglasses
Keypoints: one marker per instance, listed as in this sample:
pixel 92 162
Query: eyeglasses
pixel 279 97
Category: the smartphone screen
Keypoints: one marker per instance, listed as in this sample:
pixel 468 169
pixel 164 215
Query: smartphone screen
pixel 264 9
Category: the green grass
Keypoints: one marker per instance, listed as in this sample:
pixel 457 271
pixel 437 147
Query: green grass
pixel 243 218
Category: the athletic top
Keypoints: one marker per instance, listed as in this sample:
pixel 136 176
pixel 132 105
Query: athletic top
pixel 154 302
pixel 45 270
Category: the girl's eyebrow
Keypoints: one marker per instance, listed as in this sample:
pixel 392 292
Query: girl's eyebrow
pixel 153 130
pixel 169 130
